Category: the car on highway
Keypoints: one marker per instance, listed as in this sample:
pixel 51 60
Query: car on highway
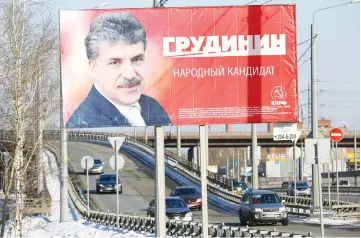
pixel 107 183
pixel 342 183
pixel 302 189
pixel 262 206
pixel 175 208
pixel 239 187
pixel 189 195
pixel 98 167
pixel 285 184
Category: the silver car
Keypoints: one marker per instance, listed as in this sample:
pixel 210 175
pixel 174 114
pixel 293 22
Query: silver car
pixel 98 167
pixel 262 206
pixel 175 208
pixel 302 189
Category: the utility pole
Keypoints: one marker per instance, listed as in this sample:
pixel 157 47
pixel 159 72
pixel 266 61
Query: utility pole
pixel 309 106
pixel 314 124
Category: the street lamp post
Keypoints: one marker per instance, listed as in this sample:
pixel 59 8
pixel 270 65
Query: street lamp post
pixel 314 101
pixel 314 125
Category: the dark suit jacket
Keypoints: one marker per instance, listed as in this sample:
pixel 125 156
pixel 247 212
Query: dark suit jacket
pixel 97 111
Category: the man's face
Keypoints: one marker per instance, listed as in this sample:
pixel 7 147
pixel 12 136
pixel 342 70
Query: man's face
pixel 119 71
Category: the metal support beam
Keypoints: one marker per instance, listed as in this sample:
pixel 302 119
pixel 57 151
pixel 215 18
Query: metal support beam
pixel 64 209
pixel 160 218
pixel 254 158
pixel 203 134
pixel 179 147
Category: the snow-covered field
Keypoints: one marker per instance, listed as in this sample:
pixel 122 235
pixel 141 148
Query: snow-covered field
pixel 49 226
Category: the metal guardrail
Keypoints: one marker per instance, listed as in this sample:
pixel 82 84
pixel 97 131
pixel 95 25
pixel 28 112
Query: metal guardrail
pixel 175 162
pixel 333 189
pixel 215 178
pixel 174 228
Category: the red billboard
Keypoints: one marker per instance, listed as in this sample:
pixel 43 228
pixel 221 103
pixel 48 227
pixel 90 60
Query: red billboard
pixel 178 66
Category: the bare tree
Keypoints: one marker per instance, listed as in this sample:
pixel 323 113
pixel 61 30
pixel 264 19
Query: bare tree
pixel 28 81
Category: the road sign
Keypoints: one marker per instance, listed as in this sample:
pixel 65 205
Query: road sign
pixel 120 162
pixel 87 162
pixel 119 141
pixel 324 149
pixel 336 134
pixel 235 162
pixel 284 131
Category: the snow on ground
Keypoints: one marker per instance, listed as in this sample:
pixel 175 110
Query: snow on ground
pixel 49 226
pixel 326 221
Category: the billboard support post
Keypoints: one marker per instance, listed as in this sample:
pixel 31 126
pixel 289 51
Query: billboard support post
pixel 160 230
pixel 64 210
pixel 179 147
pixel 254 157
pixel 203 134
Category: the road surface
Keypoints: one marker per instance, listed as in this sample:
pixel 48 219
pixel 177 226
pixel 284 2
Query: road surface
pixel 139 189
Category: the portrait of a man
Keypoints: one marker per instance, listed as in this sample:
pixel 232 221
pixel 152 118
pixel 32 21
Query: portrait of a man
pixel 116 51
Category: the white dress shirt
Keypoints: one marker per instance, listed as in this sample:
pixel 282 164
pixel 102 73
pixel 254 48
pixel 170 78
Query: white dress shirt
pixel 131 113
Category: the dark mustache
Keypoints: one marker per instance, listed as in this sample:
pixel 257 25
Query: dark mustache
pixel 129 82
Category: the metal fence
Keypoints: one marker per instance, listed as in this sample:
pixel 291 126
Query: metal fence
pixel 174 228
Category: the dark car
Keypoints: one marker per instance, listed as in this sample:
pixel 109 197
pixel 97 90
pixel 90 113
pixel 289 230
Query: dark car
pixel 285 184
pixel 189 195
pixel 175 208
pixel 239 186
pixel 262 206
pixel 107 183
pixel 302 189
pixel 97 167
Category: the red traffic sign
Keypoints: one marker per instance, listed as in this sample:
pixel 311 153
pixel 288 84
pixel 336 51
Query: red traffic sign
pixel 336 134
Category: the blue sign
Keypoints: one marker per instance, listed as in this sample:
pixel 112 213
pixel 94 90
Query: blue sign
pixel 277 162
pixel 235 162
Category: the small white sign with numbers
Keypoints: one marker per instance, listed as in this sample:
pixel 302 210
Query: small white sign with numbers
pixel 285 131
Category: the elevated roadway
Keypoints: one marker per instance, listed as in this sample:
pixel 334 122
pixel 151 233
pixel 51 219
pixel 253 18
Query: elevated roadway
pixel 232 139
pixel 139 188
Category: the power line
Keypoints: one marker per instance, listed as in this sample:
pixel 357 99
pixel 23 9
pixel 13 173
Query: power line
pixel 323 81
pixel 306 49
pixel 266 2
pixel 337 90
pixel 302 63
pixel 251 2
pixel 306 40
pixel 304 53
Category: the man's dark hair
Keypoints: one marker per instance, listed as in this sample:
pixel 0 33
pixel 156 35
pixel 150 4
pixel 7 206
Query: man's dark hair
pixel 113 27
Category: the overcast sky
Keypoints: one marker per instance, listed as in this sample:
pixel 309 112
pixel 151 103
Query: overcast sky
pixel 337 47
